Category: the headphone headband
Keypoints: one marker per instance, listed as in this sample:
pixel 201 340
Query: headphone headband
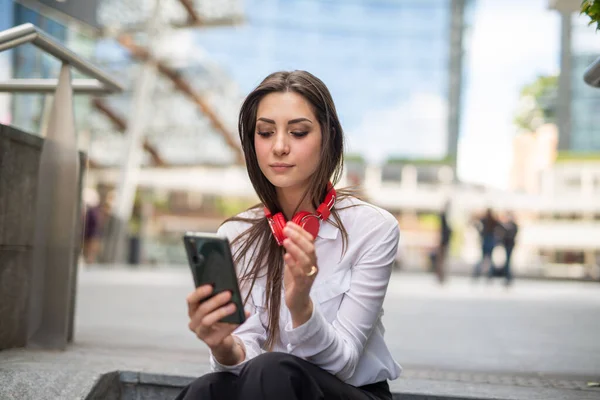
pixel 324 210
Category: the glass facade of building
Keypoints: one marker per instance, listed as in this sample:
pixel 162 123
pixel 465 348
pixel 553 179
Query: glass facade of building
pixel 585 102
pixel 6 21
pixel 386 63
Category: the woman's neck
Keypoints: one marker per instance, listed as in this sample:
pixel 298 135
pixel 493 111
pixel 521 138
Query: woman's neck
pixel 289 199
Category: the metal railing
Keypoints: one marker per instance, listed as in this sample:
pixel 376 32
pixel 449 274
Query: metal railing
pixel 591 76
pixel 57 213
pixel 28 33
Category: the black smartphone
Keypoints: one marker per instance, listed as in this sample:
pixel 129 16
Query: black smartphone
pixel 211 262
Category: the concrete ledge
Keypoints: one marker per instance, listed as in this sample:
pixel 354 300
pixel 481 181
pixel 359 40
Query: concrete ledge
pixel 130 385
pixel 106 388
pixel 77 382
pixel 23 285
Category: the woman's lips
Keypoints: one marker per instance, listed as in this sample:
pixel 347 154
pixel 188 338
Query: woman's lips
pixel 281 167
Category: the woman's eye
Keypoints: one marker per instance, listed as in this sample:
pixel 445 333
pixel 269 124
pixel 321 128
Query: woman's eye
pixel 264 134
pixel 299 134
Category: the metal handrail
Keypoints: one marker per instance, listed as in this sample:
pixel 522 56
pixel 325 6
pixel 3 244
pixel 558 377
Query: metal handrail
pixel 29 33
pixel 591 76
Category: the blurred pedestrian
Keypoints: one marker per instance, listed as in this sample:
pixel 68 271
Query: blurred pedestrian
pixel 444 242
pixel 488 227
pixel 509 235
pixel 91 225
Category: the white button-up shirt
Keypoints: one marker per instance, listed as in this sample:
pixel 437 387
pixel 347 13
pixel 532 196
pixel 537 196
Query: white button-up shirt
pixel 344 335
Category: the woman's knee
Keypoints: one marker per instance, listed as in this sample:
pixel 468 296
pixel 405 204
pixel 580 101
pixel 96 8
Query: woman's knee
pixel 275 365
pixel 273 360
pixel 271 374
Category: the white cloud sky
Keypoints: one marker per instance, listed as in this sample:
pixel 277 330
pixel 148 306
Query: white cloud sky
pixel 513 41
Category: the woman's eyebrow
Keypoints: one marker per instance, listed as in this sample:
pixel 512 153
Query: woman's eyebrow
pixel 296 120
pixel 291 121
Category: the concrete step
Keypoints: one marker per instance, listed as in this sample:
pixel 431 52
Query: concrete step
pixel 130 385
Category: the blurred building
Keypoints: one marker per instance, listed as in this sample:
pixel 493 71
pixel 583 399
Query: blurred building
pixel 585 104
pixel 377 57
pixel 381 59
pixel 534 154
pixel 557 198
pixel 579 104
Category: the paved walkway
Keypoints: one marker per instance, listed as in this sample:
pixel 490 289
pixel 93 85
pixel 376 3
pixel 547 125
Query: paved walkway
pixel 535 335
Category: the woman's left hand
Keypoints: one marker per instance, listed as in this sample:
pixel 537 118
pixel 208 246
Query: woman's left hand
pixel 300 259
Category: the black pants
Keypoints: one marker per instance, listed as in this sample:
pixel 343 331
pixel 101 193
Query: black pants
pixel 276 376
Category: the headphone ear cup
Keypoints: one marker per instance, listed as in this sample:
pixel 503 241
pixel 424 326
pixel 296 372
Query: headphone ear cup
pixel 297 218
pixel 277 225
pixel 309 222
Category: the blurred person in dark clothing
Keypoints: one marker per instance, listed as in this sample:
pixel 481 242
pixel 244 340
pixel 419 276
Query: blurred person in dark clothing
pixel 442 250
pixel 509 234
pixel 91 225
pixel 488 227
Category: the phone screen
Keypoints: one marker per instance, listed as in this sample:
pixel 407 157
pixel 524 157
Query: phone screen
pixel 211 262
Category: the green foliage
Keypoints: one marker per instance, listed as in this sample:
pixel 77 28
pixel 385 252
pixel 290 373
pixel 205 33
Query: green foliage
pixel 354 158
pixel 538 103
pixel 228 207
pixel 565 156
pixel 592 9
pixel 429 221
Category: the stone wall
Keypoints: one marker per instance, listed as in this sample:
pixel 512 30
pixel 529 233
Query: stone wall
pixel 19 160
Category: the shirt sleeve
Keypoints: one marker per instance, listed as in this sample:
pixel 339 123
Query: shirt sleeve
pixel 252 333
pixel 337 346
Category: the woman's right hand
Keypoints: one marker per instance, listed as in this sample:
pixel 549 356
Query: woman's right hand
pixel 204 322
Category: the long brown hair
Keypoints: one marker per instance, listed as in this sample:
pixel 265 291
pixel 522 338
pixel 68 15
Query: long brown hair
pixel 266 256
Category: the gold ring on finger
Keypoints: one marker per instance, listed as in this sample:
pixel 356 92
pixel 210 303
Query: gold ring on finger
pixel 313 270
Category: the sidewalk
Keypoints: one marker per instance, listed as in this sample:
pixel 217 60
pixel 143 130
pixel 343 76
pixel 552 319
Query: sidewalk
pixel 551 273
pixel 537 340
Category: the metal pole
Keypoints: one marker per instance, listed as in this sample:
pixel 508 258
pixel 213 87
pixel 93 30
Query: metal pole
pixel 46 112
pixel 565 94
pixel 592 74
pixel 132 154
pixel 50 302
pixel 49 86
pixel 457 22
pixel 17 41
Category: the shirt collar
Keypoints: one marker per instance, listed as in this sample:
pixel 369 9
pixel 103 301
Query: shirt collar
pixel 327 230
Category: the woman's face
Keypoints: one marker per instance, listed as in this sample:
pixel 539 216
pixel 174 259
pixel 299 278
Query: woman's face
pixel 287 139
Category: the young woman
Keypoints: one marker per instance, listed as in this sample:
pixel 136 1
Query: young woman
pixel 313 264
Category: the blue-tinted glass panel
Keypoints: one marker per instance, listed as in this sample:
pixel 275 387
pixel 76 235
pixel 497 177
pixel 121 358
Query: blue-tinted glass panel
pixel 31 62
pixel 375 56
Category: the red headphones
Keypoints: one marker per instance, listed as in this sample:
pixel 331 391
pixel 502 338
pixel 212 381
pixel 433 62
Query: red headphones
pixel 308 221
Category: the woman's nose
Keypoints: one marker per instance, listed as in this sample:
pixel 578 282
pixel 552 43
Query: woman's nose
pixel 281 145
